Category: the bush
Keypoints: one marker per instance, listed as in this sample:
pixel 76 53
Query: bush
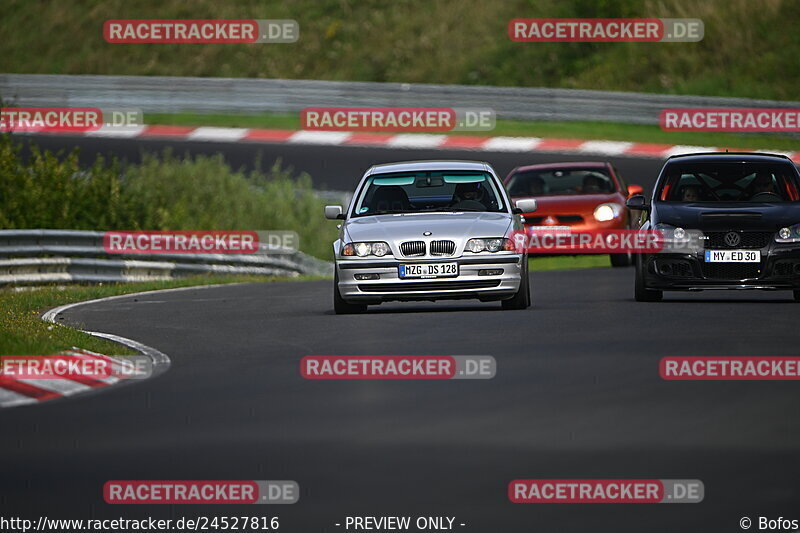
pixel 750 47
pixel 164 192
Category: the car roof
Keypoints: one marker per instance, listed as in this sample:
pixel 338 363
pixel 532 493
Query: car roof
pixel 568 164
pixel 409 166
pixel 752 157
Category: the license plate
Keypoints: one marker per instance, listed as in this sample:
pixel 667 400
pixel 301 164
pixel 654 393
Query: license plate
pixel 733 256
pixel 550 228
pixel 428 270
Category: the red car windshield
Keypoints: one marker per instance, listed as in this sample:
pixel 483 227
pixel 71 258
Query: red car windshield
pixel 557 182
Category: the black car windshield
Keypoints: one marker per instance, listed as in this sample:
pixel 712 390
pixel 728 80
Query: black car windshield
pixel 553 182
pixel 417 192
pixel 728 182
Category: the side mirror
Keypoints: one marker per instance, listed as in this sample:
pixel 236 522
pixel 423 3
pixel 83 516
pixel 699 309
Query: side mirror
pixel 525 206
pixel 637 202
pixel 635 189
pixel 334 212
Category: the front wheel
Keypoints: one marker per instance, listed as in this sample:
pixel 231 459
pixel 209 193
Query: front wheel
pixel 340 305
pixel 522 299
pixel 641 292
pixel 621 260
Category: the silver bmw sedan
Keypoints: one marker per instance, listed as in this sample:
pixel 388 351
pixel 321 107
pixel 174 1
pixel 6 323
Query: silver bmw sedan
pixel 429 230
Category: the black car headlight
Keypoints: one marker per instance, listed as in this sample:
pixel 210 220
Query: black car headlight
pixel 788 235
pixel 679 240
pixel 672 233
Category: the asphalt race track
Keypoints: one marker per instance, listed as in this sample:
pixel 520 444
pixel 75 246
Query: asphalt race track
pixel 577 395
pixel 330 167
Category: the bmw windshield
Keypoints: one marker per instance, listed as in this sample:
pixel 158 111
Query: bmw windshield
pixel 418 192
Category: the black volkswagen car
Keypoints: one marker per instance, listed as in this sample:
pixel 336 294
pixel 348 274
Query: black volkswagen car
pixel 743 209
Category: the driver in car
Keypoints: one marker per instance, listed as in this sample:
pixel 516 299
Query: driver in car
pixel 762 184
pixel 467 193
pixel 536 186
pixel 592 183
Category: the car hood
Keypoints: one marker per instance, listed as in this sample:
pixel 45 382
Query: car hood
pixel 572 203
pixel 454 226
pixel 723 215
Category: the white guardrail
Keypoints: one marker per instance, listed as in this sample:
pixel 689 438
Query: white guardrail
pixel 50 256
pixel 164 94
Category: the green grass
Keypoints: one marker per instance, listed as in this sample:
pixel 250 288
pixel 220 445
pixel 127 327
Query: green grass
pixel 567 262
pixel 23 332
pixel 515 128
pixel 750 48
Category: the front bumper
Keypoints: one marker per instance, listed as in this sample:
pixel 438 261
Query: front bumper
pixel 587 223
pixel 778 269
pixel 468 284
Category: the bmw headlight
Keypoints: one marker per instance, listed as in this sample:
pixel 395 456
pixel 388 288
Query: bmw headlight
pixel 489 245
pixel 476 245
pixel 494 245
pixel 606 212
pixel 363 249
pixel 380 249
pixel 790 234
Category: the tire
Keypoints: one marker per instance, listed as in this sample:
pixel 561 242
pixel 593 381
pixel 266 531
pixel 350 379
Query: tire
pixel 797 295
pixel 522 299
pixel 340 305
pixel 621 260
pixel 640 292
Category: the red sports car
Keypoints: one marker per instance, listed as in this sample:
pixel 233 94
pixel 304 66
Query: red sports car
pixel 578 196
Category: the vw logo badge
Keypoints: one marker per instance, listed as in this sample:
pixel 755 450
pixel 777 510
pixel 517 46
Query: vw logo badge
pixel 427 233
pixel 732 239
